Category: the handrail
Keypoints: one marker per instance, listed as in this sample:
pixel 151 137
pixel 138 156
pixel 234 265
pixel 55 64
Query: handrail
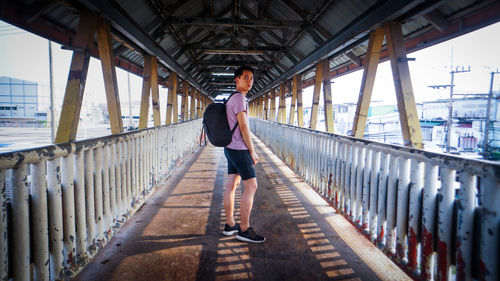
pixel 407 201
pixel 61 203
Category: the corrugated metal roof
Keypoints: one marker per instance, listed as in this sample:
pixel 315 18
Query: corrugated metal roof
pixel 291 34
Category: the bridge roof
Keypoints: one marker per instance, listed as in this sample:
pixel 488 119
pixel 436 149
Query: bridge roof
pixel 280 38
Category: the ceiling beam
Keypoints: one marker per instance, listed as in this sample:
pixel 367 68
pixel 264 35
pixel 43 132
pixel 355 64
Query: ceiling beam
pixel 239 48
pixel 381 12
pixel 132 31
pixel 231 22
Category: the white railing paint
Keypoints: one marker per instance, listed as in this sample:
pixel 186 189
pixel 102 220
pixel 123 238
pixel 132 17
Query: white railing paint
pixel 403 199
pixel 80 194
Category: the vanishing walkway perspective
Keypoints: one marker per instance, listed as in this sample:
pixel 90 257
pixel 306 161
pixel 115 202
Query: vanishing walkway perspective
pixel 176 234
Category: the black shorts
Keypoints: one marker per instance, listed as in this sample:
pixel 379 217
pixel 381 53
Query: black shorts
pixel 240 162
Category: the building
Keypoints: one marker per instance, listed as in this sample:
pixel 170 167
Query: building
pixel 19 102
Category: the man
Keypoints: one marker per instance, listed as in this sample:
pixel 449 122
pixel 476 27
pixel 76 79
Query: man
pixel 241 160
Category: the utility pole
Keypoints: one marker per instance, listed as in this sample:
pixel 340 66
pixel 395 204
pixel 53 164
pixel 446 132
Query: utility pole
pixel 487 121
pixel 51 86
pixel 131 122
pixel 450 109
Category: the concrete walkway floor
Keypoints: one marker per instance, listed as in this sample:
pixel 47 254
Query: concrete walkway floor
pixel 176 235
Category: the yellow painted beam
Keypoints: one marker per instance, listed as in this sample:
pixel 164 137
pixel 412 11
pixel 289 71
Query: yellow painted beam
pixel 297 79
pixel 73 95
pixel 273 106
pixel 192 103
pixel 175 103
pixel 410 125
pixel 327 96
pixel 291 119
pixel 266 106
pixel 367 82
pixel 282 105
pixel 155 94
pixel 315 99
pixel 109 73
pixel 172 81
pixel 197 103
pixel 184 105
pixel 146 89
pixel 261 106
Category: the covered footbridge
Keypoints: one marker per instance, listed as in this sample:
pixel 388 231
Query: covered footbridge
pixel 146 204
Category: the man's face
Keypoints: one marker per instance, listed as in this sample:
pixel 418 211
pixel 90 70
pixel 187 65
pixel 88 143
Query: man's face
pixel 245 81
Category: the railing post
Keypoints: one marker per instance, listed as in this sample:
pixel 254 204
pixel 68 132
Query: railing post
pixel 4 237
pixel 89 198
pixel 375 170
pixel 414 215
pixel 112 184
pixel 445 223
pixel 98 193
pixel 108 216
pixel 54 195
pixel 20 229
pixel 68 197
pixel 366 190
pixel 392 187
pixel 382 199
pixel 358 216
pixel 40 231
pixel 80 214
pixel 428 220
pixel 402 208
pixel 354 169
pixel 465 220
pixel 490 230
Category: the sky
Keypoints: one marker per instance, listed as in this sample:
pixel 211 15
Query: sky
pixel 25 56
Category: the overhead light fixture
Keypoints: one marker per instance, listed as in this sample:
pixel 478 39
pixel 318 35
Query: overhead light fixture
pixel 233 52
pixel 222 73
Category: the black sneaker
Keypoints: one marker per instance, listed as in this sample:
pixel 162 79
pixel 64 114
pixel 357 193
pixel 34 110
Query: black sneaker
pixel 250 236
pixel 228 231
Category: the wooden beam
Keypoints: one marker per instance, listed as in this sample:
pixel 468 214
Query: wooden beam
pixel 175 103
pixel 146 89
pixel 327 96
pixel 70 113
pixel 266 106
pixel 192 103
pixel 282 105
pixel 353 58
pixel 172 80
pixel 109 73
pixel 410 125
pixel 315 98
pixel 291 119
pixel 184 105
pixel 437 20
pixel 272 115
pixel 297 80
pixel 155 95
pixel 197 102
pixel 367 82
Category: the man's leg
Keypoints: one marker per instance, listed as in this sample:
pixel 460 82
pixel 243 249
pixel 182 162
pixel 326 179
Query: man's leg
pixel 247 202
pixel 233 180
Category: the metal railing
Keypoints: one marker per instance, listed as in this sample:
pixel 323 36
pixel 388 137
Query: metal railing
pixel 436 215
pixel 60 204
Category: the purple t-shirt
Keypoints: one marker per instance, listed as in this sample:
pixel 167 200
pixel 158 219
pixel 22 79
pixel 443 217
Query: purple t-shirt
pixel 236 104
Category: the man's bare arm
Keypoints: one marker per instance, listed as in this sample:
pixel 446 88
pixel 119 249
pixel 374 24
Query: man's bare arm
pixel 245 133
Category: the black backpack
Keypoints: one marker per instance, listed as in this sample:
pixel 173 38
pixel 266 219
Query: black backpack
pixel 216 124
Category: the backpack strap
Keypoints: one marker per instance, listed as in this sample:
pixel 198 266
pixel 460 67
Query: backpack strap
pixel 235 125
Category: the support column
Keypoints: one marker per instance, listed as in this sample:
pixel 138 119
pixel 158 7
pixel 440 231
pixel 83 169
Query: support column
pixel 192 103
pixel 367 82
pixel 297 79
pixel 272 114
pixel 282 105
pixel 175 103
pixel 146 87
pixel 172 90
pixel 198 107
pixel 327 96
pixel 155 94
pixel 184 105
pixel 109 73
pixel 291 119
pixel 266 106
pixel 410 125
pixel 315 101
pixel 261 107
pixel 70 113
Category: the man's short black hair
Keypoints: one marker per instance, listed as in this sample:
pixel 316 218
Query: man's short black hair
pixel 240 70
